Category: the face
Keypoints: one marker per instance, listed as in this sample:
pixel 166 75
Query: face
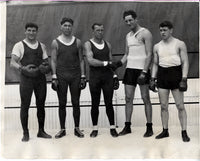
pixel 130 22
pixel 98 31
pixel 165 32
pixel 66 28
pixel 31 33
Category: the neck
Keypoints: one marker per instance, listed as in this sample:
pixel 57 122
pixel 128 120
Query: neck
pixel 168 39
pixel 136 28
pixel 67 37
pixel 31 41
pixel 98 41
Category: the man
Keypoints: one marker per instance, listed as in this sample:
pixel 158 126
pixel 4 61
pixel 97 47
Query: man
pixel 30 57
pixel 98 54
pixel 170 67
pixel 68 71
pixel 138 54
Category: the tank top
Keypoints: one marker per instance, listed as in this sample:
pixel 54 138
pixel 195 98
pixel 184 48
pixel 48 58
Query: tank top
pixel 168 53
pixel 32 56
pixel 68 56
pixel 136 51
pixel 100 54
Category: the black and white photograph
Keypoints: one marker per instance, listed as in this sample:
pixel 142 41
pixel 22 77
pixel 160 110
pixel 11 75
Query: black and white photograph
pixel 99 80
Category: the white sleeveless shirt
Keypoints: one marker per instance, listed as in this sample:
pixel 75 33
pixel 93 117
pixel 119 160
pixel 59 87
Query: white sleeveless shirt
pixel 136 51
pixel 169 53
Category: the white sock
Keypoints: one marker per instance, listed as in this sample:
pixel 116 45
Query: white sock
pixel 112 126
pixel 95 127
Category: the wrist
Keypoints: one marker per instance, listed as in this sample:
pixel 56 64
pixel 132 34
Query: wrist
pixel 144 71
pixel 184 78
pixel 115 76
pixel 105 63
pixel 54 76
pixel 83 76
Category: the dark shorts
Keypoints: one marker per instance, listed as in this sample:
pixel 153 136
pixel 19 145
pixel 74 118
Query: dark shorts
pixel 131 76
pixel 169 78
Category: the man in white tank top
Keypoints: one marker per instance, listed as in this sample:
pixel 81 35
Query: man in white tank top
pixel 170 67
pixel 138 56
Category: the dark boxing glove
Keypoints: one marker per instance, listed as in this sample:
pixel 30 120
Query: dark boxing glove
pixel 152 84
pixel 54 84
pixel 115 65
pixel 183 85
pixel 83 83
pixel 115 83
pixel 30 70
pixel 142 78
pixel 45 68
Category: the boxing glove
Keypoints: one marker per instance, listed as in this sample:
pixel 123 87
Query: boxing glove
pixel 30 70
pixel 183 85
pixel 115 65
pixel 115 83
pixel 83 83
pixel 44 68
pixel 142 78
pixel 152 84
pixel 54 84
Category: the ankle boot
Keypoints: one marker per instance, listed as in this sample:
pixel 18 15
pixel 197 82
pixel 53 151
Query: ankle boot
pixel 43 134
pixel 78 133
pixel 163 134
pixel 149 130
pixel 94 133
pixel 60 134
pixel 25 137
pixel 126 129
pixel 185 136
pixel 113 133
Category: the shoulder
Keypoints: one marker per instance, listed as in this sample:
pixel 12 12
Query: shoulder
pixel 156 46
pixel 54 43
pixel 179 42
pixel 78 41
pixel 42 45
pixel 146 33
pixel 19 44
pixel 109 45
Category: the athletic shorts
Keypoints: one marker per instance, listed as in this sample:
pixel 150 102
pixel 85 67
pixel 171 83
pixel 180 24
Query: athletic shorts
pixel 169 78
pixel 131 76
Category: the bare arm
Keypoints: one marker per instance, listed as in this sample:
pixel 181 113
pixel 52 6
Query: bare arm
pixel 184 59
pixel 124 58
pixel 14 63
pixel 89 56
pixel 54 53
pixel 81 57
pixel 155 63
pixel 148 47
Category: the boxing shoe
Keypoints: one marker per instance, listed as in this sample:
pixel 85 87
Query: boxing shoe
pixel 126 129
pixel 43 134
pixel 78 133
pixel 149 130
pixel 25 137
pixel 94 133
pixel 60 134
pixel 163 134
pixel 185 136
pixel 113 132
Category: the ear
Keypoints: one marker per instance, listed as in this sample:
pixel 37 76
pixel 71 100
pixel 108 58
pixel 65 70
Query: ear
pixel 171 30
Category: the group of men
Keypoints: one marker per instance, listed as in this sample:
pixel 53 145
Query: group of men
pixel 168 73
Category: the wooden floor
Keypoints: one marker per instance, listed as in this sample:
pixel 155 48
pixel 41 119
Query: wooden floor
pixel 131 146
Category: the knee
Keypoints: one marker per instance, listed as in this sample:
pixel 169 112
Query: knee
pixel 164 107
pixel 180 106
pixel 146 99
pixel 129 99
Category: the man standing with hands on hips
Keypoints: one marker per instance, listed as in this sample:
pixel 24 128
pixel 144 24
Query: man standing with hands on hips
pixel 170 68
pixel 68 70
pixel 138 55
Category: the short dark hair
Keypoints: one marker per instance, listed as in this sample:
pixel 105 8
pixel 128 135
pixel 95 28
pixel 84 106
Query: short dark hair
pixel 31 24
pixel 98 24
pixel 130 12
pixel 166 24
pixel 66 19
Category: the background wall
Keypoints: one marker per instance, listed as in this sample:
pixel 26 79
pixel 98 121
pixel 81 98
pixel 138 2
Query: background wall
pixel 184 16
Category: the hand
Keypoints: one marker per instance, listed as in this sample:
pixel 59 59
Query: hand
pixel 183 85
pixel 115 83
pixel 115 65
pixel 153 85
pixel 82 83
pixel 54 84
pixel 44 68
pixel 30 70
pixel 142 78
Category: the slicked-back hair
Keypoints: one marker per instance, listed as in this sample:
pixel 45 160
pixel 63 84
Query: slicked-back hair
pixel 129 12
pixel 31 24
pixel 66 19
pixel 96 24
pixel 166 24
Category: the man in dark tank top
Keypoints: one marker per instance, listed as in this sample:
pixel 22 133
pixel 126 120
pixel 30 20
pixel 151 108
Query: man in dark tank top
pixel 68 71
pixel 98 53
